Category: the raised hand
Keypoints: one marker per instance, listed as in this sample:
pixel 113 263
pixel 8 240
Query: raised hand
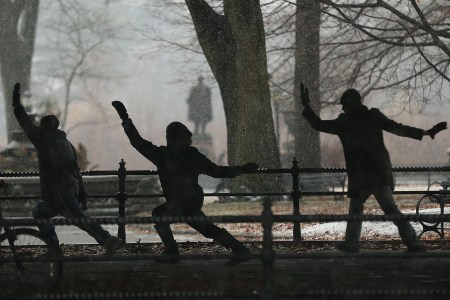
pixel 437 128
pixel 249 167
pixel 120 108
pixel 304 94
pixel 16 95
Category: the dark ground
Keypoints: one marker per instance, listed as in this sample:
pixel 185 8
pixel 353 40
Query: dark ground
pixel 381 271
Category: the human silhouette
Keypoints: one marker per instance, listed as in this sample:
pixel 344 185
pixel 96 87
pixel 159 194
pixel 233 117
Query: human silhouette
pixel 60 179
pixel 179 165
pixel 199 102
pixel 360 131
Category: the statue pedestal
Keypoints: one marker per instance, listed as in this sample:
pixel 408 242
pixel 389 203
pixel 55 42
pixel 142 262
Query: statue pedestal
pixel 19 155
pixel 203 142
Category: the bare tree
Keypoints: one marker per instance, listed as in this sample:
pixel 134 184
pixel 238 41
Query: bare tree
pixel 79 37
pixel 234 46
pixel 17 34
pixel 395 46
pixel 307 71
pixel 399 47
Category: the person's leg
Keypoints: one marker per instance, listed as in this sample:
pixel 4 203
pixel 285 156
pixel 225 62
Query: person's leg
pixel 170 253
pixel 72 209
pixel 223 237
pixel 385 198
pixel 44 210
pixel 353 230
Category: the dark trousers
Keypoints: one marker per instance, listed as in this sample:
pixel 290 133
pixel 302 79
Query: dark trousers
pixel 206 228
pixel 385 199
pixel 69 208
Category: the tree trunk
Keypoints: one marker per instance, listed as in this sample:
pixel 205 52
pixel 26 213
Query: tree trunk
pixel 17 34
pixel 234 46
pixel 307 140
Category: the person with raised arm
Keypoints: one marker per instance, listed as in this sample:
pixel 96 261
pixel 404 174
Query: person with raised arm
pixel 179 165
pixel 62 189
pixel 367 160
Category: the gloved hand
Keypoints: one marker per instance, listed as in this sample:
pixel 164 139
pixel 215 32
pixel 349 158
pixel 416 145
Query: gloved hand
pixel 121 110
pixel 304 94
pixel 249 167
pixel 16 95
pixel 437 128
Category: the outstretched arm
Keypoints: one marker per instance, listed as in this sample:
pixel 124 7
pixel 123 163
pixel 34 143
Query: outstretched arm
pixel 216 171
pixel 31 130
pixel 409 131
pixel 328 126
pixel 144 147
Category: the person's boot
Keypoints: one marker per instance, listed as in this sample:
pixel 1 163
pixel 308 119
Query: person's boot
pixel 409 237
pixel 54 250
pixel 415 246
pixel 352 235
pixel 240 252
pixel 347 247
pixel 171 253
pixel 416 249
pixel 112 244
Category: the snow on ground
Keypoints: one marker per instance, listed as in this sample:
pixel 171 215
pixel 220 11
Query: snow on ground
pixel 336 230
pixel 246 231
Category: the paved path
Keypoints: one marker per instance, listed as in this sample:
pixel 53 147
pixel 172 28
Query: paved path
pixel 74 235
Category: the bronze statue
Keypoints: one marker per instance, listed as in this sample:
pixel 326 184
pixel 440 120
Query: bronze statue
pixel 199 102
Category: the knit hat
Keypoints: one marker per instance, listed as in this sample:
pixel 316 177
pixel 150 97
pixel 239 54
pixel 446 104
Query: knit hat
pixel 351 95
pixel 177 129
pixel 49 122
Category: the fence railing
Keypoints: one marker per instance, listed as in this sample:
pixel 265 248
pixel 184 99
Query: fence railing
pixel 266 219
pixel 301 186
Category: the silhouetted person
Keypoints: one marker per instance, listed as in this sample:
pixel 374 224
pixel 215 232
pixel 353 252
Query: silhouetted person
pixel 367 161
pixel 199 102
pixel 179 165
pixel 60 179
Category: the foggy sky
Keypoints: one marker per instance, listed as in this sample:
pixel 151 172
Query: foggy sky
pixel 154 88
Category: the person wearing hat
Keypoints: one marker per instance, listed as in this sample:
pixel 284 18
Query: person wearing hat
pixel 369 169
pixel 179 165
pixel 61 185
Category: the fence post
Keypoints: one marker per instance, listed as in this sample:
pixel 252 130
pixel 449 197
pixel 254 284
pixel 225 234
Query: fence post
pixel 122 197
pixel 295 171
pixel 267 253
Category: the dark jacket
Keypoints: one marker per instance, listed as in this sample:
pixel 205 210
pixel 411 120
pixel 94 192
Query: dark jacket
pixel 58 169
pixel 361 134
pixel 178 170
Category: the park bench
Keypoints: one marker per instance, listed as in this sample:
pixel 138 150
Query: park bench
pixel 436 202
pixel 320 182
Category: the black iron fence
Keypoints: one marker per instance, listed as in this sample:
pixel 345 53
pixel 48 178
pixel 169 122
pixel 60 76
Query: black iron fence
pixel 266 219
pixel 332 184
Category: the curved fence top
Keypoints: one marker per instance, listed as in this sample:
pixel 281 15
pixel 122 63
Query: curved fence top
pixel 259 171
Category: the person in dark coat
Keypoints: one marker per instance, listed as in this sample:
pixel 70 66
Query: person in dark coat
pixel 367 161
pixel 179 165
pixel 60 179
